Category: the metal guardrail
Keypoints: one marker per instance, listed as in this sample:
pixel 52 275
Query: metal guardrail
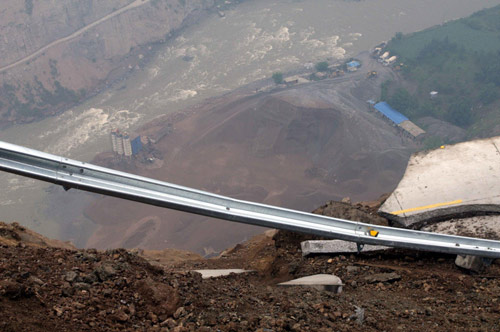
pixel 74 174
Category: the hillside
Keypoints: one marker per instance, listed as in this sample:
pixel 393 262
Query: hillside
pixel 64 289
pixel 56 55
pixel 295 148
pixel 461 61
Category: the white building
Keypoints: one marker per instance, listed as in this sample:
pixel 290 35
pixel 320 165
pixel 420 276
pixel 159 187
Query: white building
pixel 391 60
pixel 119 145
pixel 384 56
pixel 127 146
pixel 114 140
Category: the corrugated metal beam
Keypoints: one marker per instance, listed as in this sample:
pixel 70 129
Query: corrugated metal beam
pixel 74 174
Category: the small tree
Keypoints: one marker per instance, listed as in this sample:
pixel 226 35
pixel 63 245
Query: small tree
pixel 459 113
pixel 278 77
pixel 322 66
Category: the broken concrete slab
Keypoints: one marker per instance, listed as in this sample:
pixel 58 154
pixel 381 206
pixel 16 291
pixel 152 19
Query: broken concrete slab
pixel 486 227
pixel 473 263
pixel 455 181
pixel 382 277
pixel 205 274
pixel 326 282
pixel 335 247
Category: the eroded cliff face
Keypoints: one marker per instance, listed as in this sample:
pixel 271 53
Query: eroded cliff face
pixel 55 53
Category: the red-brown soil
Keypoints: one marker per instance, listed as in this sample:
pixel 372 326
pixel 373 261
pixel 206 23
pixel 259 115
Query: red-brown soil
pixel 47 288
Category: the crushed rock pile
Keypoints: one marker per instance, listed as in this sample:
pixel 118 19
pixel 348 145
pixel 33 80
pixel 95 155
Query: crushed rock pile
pixel 46 287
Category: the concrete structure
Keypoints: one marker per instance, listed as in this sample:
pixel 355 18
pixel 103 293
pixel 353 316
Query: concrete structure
pixel 411 128
pixel 119 146
pixel 455 181
pixel 487 227
pixel 121 143
pixel 473 263
pixel 114 140
pixel 327 282
pixel 206 274
pixel 127 146
pixel 295 80
pixel 334 247
pixel 290 81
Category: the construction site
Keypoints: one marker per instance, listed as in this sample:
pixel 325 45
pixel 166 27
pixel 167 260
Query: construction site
pixel 382 278
pixel 227 166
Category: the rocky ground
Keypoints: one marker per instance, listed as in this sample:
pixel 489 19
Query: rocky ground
pixel 45 287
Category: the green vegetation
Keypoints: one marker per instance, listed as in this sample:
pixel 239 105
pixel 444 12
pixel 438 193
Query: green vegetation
pixel 156 3
pixel 278 77
pixel 431 143
pixel 461 61
pixel 384 90
pixel 28 7
pixel 313 77
pixel 53 68
pixel 33 100
pixel 322 66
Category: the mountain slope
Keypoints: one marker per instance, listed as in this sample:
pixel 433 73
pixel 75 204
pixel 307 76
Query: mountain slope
pixel 296 148
pixel 63 53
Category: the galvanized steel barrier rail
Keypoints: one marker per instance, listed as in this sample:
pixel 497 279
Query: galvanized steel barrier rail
pixel 74 174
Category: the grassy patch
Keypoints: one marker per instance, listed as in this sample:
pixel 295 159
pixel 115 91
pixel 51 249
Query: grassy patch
pixel 28 7
pixel 461 61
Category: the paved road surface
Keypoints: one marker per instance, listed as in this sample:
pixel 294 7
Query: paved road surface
pixel 461 176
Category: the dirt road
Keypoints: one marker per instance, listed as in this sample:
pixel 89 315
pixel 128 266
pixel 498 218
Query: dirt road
pixel 77 33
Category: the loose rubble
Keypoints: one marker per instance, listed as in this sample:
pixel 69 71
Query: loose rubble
pixel 45 287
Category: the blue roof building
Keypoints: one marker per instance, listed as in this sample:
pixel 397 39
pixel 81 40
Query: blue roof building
pixel 136 145
pixel 353 64
pixel 390 113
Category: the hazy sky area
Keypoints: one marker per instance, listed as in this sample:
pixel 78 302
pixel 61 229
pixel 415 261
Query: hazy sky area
pixel 253 40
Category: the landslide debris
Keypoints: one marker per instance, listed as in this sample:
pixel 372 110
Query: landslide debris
pixel 44 288
pixel 14 234
pixel 78 290
pixel 294 148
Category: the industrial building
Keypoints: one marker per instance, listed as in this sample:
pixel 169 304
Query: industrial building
pixel 136 145
pixel 122 145
pixel 353 65
pixel 127 147
pixel 399 120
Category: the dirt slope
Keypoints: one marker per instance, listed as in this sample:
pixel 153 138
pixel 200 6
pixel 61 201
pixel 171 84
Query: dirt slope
pixel 56 54
pixel 49 288
pixel 295 148
pixel 15 234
